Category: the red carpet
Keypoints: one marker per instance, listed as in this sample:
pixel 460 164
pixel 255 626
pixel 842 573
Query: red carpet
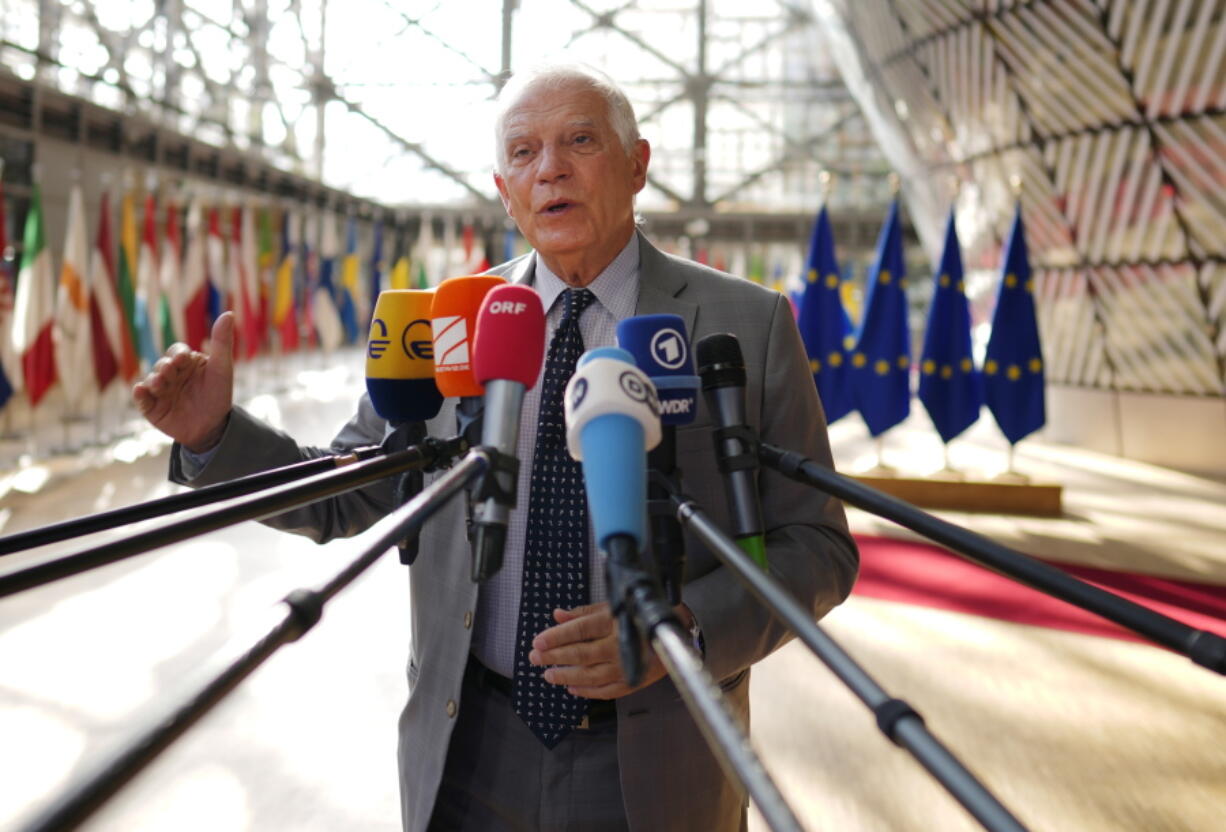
pixel 927 575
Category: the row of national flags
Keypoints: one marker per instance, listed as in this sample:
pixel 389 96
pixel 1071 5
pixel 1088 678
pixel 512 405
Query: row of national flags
pixel 868 368
pixel 121 297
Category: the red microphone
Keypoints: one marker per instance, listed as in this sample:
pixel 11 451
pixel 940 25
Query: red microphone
pixel 507 355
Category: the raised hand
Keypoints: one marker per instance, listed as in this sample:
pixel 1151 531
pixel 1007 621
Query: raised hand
pixel 188 394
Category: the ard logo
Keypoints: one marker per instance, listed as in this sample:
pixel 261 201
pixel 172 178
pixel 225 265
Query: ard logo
pixel 668 349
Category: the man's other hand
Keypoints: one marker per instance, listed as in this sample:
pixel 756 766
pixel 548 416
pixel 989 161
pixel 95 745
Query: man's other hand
pixel 188 394
pixel 582 649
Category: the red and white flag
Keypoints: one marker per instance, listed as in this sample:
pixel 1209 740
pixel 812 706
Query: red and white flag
pixel 195 281
pixel 34 308
pixel 73 340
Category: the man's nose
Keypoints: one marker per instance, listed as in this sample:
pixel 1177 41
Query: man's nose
pixel 554 164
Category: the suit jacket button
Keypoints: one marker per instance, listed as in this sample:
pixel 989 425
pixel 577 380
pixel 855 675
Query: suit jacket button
pixel 451 709
pixel 468 620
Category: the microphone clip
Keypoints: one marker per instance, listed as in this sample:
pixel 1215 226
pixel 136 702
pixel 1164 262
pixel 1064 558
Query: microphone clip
pixel 442 453
pixel 748 458
pixel 488 486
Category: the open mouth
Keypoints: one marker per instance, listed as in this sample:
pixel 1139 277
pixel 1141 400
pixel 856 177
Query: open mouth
pixel 557 207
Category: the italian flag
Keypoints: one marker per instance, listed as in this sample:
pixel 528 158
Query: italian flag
pixel 34 308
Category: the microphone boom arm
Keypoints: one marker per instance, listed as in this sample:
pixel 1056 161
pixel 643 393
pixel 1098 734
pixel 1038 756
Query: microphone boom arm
pixel 1202 647
pixel 639 606
pixel 305 606
pixel 896 719
pixel 429 454
pixel 78 526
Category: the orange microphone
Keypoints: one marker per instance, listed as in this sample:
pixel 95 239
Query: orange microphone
pixel 453 321
pixel 454 324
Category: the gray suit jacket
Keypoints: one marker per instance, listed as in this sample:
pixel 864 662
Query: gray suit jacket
pixel 669 777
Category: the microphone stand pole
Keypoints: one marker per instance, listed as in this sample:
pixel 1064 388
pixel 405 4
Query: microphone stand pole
pixel 55 532
pixel 430 454
pixel 1204 648
pixel 896 719
pixel 303 608
pixel 639 606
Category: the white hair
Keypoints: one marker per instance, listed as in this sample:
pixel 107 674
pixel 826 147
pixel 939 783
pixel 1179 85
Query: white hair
pixel 554 77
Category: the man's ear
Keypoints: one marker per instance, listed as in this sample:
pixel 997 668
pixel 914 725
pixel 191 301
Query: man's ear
pixel 504 194
pixel 640 157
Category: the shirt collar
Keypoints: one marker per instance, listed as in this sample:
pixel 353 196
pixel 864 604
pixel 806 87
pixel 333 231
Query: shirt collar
pixel 610 286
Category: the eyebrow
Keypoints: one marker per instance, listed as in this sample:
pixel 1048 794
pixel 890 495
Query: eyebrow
pixel 513 134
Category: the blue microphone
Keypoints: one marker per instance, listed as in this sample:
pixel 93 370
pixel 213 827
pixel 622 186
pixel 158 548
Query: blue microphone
pixel 612 418
pixel 662 351
pixel 661 348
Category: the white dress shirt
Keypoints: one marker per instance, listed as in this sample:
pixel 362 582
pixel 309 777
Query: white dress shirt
pixel 616 290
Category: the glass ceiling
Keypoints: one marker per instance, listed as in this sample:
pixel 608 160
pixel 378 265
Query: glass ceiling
pixel 392 100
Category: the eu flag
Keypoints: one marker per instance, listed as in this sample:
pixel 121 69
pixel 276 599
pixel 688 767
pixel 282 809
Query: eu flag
pixel 881 360
pixel 1013 368
pixel 949 386
pixel 824 326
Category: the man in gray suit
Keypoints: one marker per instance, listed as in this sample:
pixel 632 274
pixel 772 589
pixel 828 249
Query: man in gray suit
pixel 570 162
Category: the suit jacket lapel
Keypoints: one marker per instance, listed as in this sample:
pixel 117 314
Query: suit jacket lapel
pixel 522 271
pixel 660 282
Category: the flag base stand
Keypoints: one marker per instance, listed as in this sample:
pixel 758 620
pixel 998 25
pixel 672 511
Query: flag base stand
pixel 991 496
pixel 880 468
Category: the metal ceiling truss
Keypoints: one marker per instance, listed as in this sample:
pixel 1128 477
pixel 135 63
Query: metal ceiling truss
pixel 198 72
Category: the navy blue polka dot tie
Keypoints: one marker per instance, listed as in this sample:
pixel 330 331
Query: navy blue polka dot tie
pixel 556 551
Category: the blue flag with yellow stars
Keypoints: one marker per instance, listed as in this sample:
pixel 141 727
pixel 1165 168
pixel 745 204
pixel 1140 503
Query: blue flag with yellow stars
pixel 949 386
pixel 824 326
pixel 1013 367
pixel 881 360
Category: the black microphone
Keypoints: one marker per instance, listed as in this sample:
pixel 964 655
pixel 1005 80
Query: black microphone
pixel 661 350
pixel 722 368
pixel 508 351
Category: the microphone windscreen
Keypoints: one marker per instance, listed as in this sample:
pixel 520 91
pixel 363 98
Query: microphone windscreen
pixel 400 357
pixel 612 419
pixel 661 349
pixel 720 362
pixel 510 341
pixel 457 301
